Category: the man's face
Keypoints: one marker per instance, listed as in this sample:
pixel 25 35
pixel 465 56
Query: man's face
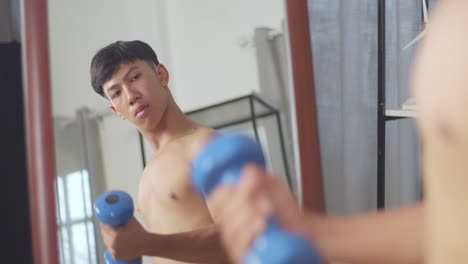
pixel 138 92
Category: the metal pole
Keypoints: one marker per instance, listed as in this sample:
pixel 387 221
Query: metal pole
pixel 381 107
pixel 283 149
pixel 142 149
pixel 254 118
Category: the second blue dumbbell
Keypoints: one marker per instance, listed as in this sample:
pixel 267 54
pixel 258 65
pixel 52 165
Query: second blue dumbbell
pixel 220 162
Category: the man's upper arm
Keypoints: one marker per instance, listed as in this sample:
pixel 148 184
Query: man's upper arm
pixel 441 87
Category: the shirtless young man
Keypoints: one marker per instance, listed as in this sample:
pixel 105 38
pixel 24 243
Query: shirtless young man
pixel 181 227
pixel 433 231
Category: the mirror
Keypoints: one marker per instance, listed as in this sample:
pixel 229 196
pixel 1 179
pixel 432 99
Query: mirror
pixel 228 67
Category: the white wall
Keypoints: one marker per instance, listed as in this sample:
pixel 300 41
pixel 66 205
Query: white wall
pixel 120 147
pixel 205 36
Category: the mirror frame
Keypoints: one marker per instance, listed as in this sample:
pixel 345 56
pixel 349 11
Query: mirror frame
pixel 305 103
pixel 39 131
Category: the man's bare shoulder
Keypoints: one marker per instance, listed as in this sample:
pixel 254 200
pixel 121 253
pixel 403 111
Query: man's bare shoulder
pixel 180 151
pixel 440 76
pixel 199 139
pixel 152 161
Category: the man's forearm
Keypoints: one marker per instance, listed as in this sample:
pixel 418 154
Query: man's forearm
pixel 392 236
pixel 198 246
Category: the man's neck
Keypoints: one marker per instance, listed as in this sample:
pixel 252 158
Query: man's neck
pixel 173 125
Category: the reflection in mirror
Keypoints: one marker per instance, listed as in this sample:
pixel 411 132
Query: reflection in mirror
pixel 77 157
pixel 214 52
pixel 75 217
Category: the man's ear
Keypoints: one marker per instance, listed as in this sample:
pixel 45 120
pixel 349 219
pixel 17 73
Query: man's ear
pixel 163 74
pixel 115 111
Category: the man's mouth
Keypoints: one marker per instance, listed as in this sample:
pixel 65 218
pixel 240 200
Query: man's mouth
pixel 141 111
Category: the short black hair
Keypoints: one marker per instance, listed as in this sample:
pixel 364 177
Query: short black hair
pixel 107 60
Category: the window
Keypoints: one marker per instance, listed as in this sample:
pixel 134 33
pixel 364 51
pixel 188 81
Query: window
pixel 77 242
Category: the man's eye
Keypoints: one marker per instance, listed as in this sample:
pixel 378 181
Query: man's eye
pixel 136 77
pixel 116 94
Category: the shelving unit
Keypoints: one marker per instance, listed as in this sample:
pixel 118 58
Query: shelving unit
pixel 394 114
pixel 249 109
pixel 384 114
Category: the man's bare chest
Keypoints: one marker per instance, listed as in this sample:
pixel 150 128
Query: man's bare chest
pixel 168 201
pixel 165 184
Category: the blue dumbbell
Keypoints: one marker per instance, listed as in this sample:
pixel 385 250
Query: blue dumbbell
pixel 115 208
pixel 220 162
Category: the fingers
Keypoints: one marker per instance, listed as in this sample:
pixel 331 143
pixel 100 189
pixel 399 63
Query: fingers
pixel 109 234
pixel 217 201
pixel 273 194
pixel 224 199
pixel 285 205
pixel 247 225
pixel 107 228
pixel 241 211
pixel 124 242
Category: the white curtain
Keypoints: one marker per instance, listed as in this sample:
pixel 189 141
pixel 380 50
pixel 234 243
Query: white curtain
pixel 79 178
pixel 344 47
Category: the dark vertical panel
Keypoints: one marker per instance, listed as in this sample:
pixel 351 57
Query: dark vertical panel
pixel 381 107
pixel 15 199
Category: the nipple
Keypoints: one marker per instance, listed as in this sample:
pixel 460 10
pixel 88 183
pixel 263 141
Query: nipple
pixel 446 131
pixel 173 196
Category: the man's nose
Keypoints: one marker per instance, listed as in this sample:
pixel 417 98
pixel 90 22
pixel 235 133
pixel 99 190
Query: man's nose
pixel 133 95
